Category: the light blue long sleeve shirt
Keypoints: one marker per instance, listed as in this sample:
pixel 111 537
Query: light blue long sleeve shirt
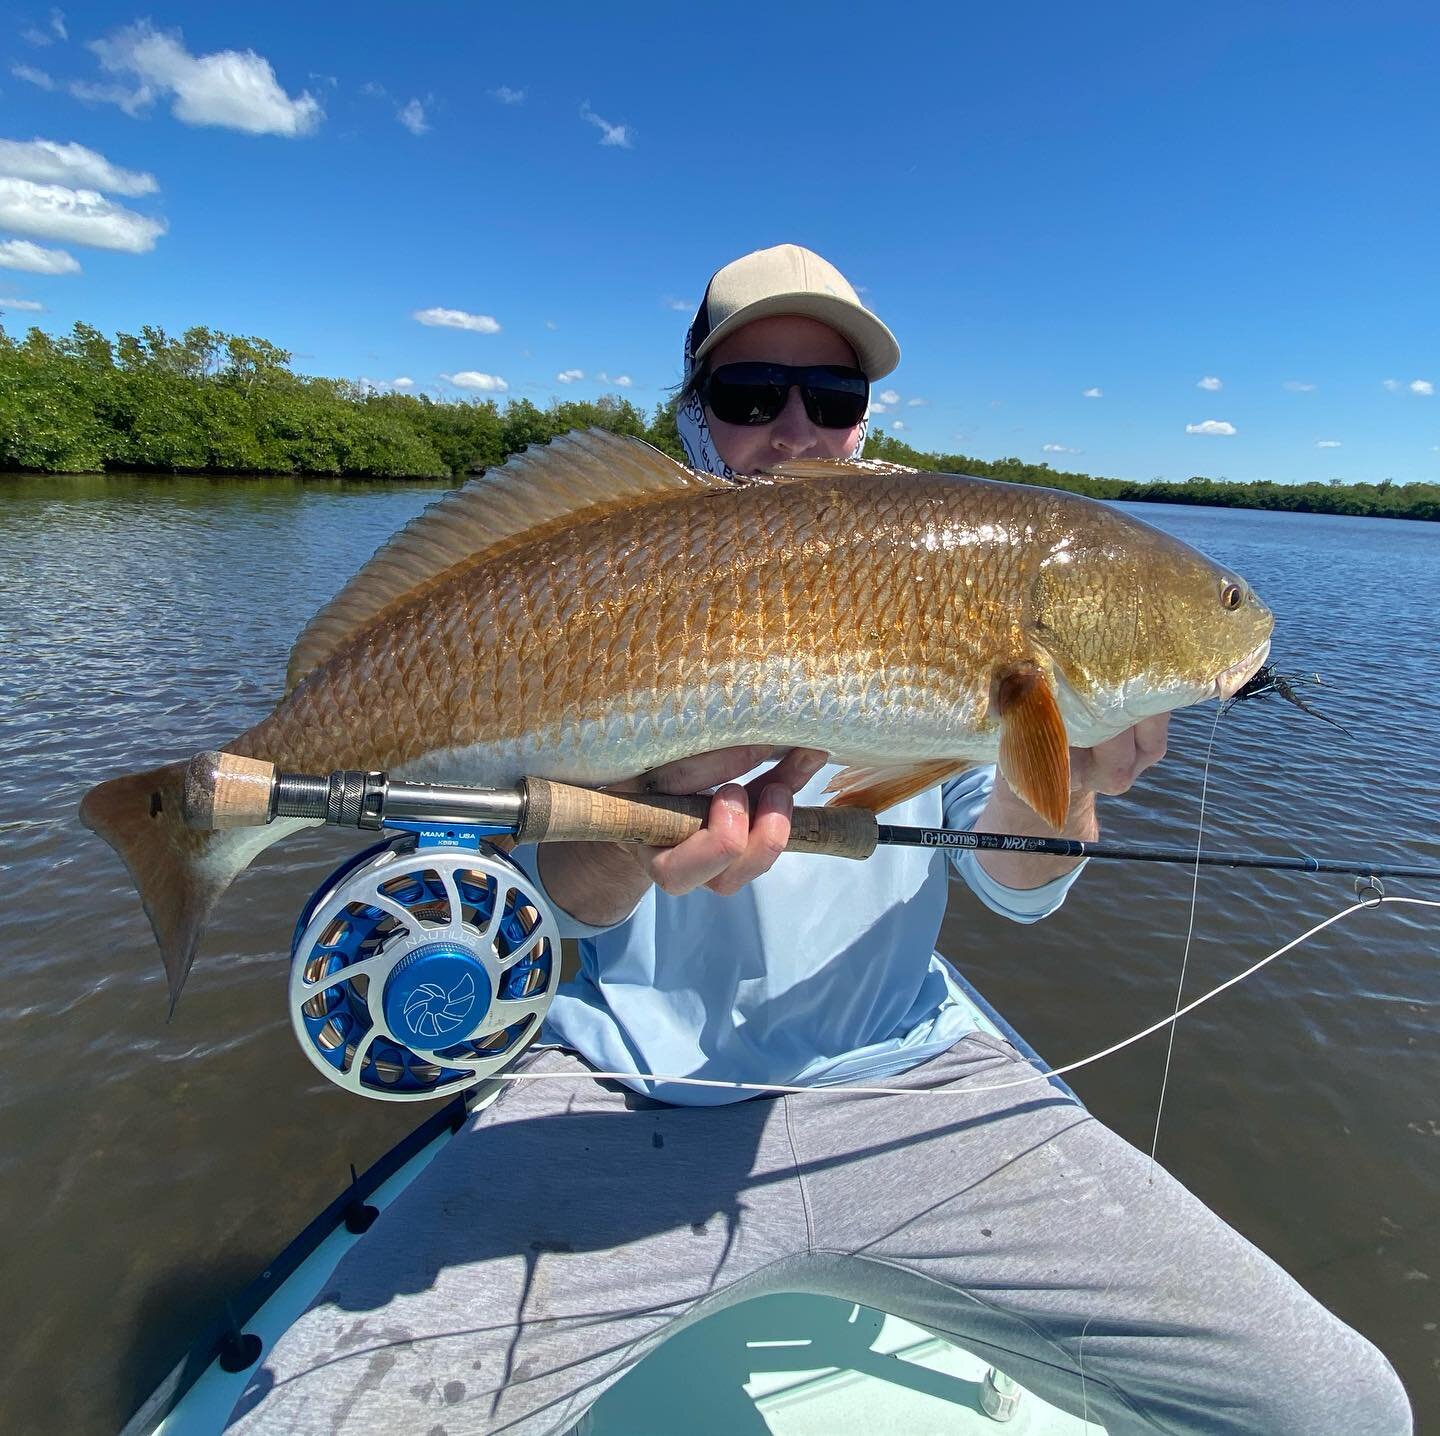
pixel 822 970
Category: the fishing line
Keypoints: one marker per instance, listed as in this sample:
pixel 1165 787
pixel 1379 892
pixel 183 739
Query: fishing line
pixel 629 1077
pixel 1169 1045
pixel 1189 935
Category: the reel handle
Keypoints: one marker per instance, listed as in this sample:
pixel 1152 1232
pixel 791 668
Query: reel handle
pixel 224 790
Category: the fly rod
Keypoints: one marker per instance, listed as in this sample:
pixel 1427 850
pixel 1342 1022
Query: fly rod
pixel 224 790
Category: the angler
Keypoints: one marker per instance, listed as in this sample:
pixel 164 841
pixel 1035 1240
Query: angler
pixel 954 653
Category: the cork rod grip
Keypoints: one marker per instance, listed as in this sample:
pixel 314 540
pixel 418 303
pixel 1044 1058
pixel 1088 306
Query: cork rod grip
pixel 556 812
pixel 226 791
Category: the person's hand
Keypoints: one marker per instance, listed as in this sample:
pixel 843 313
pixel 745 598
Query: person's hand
pixel 735 846
pixel 1113 766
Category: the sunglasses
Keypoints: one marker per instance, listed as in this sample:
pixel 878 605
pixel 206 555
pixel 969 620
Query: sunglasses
pixel 753 393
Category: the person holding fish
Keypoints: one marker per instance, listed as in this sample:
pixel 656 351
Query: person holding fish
pixel 1032 645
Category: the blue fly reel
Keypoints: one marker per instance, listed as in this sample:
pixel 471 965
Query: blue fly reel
pixel 422 966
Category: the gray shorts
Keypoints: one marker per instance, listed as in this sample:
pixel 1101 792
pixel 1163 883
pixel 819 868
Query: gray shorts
pixel 573 1225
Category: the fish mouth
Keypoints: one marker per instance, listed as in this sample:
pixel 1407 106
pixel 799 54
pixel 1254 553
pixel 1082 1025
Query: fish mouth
pixel 1234 678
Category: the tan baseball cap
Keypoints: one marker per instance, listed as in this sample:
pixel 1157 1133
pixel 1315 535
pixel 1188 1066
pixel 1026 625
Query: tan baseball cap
pixel 790 280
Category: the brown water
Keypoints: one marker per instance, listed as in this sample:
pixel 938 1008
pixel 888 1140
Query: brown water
pixel 148 1170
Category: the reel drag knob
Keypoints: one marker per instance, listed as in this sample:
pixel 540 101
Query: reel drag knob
pixel 420 969
pixel 438 992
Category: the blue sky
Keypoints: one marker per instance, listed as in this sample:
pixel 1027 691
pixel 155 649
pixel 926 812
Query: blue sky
pixel 1101 233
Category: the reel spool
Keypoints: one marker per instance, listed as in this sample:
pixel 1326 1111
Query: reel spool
pixel 422 967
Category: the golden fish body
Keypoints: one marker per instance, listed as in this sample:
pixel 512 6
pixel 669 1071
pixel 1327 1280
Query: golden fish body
pixel 860 613
pixel 593 610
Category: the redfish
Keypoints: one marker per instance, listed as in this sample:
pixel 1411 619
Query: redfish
pixel 593 609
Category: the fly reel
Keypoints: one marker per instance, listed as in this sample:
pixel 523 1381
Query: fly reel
pixel 422 966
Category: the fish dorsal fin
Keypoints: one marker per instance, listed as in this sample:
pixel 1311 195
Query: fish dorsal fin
pixel 547 486
pixel 836 468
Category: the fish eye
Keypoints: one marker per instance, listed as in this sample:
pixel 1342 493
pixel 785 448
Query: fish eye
pixel 1231 595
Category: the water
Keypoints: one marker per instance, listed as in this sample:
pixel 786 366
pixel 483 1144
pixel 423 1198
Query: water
pixel 148 1170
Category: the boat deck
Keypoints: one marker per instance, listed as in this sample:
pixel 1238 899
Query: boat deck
pixel 785 1364
pixel 798 1365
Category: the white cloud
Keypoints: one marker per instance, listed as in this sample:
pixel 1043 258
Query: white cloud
pixel 1421 386
pixel 889 396
pixel 372 90
pixel 82 216
pixel 916 403
pixel 1211 426
pixel 682 306
pixel 1394 385
pixel 506 95
pixel 30 306
pixel 469 379
pixel 132 102
pixel 57 31
pixel 32 76
pixel 1297 386
pixel 878 408
pixel 457 319
pixel 898 424
pixel 35 258
pixel 569 376
pixel 624 380
pixel 610 134
pixel 1093 394
pixel 235 89
pixel 70 164
pixel 403 382
pixel 1327 443
pixel 365 382
pixel 1210 383
pixel 412 116
pixel 1057 449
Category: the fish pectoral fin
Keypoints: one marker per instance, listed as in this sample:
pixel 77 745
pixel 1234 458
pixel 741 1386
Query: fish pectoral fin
pixel 1034 747
pixel 881 788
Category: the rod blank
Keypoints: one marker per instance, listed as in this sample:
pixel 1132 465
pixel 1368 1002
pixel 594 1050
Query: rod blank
pixel 954 838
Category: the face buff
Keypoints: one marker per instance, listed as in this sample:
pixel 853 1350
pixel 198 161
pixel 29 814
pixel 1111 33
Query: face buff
pixel 695 433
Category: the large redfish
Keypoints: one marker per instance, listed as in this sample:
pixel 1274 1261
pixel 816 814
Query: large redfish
pixel 592 609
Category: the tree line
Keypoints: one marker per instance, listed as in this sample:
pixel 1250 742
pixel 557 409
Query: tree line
pixel 221 403
pixel 1383 500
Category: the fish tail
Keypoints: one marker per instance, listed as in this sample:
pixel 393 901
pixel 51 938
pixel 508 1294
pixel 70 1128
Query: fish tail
pixel 179 873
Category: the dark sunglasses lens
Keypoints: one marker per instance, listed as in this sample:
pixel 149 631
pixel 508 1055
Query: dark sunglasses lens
pixel 746 393
pixel 836 398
